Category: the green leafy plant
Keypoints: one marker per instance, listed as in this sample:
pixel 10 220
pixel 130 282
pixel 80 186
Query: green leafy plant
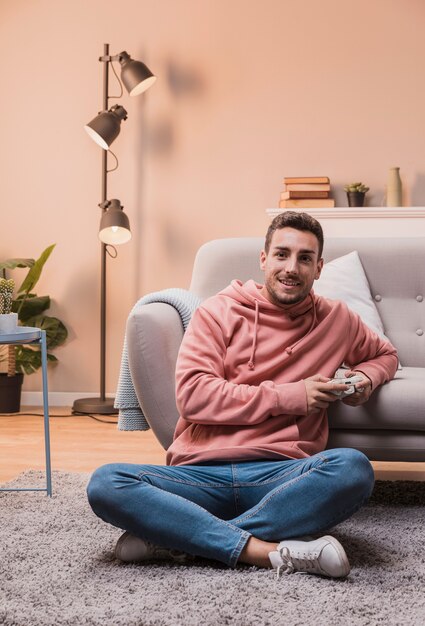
pixel 356 187
pixel 31 312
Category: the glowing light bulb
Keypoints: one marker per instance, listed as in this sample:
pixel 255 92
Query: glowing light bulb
pixel 114 229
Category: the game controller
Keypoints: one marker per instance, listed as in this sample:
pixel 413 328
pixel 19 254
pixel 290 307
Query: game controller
pixel 351 382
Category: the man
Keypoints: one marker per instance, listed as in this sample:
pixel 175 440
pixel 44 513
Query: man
pixel 248 479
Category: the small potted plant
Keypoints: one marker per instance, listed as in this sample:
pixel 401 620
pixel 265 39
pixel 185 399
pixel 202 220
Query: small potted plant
pixel 356 193
pixel 8 320
pixel 30 311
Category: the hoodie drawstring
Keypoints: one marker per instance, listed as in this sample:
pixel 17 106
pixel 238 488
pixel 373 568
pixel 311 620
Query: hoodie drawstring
pixel 251 362
pixel 289 349
pixel 312 325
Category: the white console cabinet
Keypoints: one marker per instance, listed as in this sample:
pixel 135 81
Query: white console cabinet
pixel 366 221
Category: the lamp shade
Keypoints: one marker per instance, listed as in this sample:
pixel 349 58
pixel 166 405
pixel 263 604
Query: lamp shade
pixel 105 127
pixel 114 225
pixel 135 75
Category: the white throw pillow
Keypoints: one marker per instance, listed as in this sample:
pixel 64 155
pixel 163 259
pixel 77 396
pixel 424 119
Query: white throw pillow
pixel 344 279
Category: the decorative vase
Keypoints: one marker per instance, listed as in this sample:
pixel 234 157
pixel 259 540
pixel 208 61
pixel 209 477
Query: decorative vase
pixel 10 393
pixel 8 323
pixel 356 198
pixel 394 187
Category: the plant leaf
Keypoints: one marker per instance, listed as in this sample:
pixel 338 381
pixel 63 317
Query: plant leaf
pixel 33 275
pixel 33 305
pixel 28 360
pixel 56 333
pixel 11 264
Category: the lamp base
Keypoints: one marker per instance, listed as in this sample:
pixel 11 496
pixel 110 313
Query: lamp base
pixel 95 405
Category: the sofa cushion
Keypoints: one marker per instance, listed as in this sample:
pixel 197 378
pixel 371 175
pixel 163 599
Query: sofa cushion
pixel 382 445
pixel 398 405
pixel 344 279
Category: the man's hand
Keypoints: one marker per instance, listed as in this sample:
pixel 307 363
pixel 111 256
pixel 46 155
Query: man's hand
pixel 319 392
pixel 363 389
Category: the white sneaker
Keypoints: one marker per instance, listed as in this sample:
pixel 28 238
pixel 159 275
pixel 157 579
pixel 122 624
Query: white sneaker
pixel 324 556
pixel 132 549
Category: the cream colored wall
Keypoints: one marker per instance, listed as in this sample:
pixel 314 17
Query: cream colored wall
pixel 248 91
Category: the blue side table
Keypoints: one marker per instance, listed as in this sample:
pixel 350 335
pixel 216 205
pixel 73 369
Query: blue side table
pixel 28 335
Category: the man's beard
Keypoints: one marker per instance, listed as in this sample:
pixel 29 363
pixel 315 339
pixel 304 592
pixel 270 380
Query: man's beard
pixel 287 299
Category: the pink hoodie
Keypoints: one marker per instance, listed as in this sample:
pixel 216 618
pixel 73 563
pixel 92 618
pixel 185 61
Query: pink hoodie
pixel 240 371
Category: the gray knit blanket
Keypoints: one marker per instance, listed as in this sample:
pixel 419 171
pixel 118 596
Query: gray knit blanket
pixel 130 415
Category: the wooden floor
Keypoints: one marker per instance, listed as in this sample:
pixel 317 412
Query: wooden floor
pixel 80 444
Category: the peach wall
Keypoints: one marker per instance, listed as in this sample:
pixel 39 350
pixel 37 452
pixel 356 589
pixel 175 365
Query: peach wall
pixel 248 91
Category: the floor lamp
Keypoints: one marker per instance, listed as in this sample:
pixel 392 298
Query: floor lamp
pixel 114 225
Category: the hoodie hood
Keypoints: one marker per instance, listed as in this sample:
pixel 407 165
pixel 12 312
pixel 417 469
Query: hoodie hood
pixel 249 294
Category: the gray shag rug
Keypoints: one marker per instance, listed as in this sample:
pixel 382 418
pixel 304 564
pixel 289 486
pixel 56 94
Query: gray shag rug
pixel 57 568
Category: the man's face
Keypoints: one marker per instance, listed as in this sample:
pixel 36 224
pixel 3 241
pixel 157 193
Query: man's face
pixel 291 266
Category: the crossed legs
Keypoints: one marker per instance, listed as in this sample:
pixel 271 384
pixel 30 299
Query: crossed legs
pixel 232 512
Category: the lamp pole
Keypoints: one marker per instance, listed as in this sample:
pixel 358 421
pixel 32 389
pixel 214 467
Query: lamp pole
pixel 107 405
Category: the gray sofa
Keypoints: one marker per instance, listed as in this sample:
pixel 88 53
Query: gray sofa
pixel 390 427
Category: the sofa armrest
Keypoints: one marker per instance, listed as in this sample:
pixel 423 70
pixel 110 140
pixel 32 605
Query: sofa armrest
pixel 154 334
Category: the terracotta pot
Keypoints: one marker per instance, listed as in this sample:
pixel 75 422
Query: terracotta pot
pixel 356 198
pixel 10 393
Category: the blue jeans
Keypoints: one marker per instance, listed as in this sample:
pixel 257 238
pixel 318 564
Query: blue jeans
pixel 212 509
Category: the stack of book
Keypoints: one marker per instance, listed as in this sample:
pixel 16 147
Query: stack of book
pixel 305 192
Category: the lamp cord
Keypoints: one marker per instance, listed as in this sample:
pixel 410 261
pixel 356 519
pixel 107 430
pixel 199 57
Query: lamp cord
pixel 109 245
pixel 116 162
pixel 120 83
pixel 63 415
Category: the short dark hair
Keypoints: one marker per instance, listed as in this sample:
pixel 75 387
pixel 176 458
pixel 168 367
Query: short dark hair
pixel 299 221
